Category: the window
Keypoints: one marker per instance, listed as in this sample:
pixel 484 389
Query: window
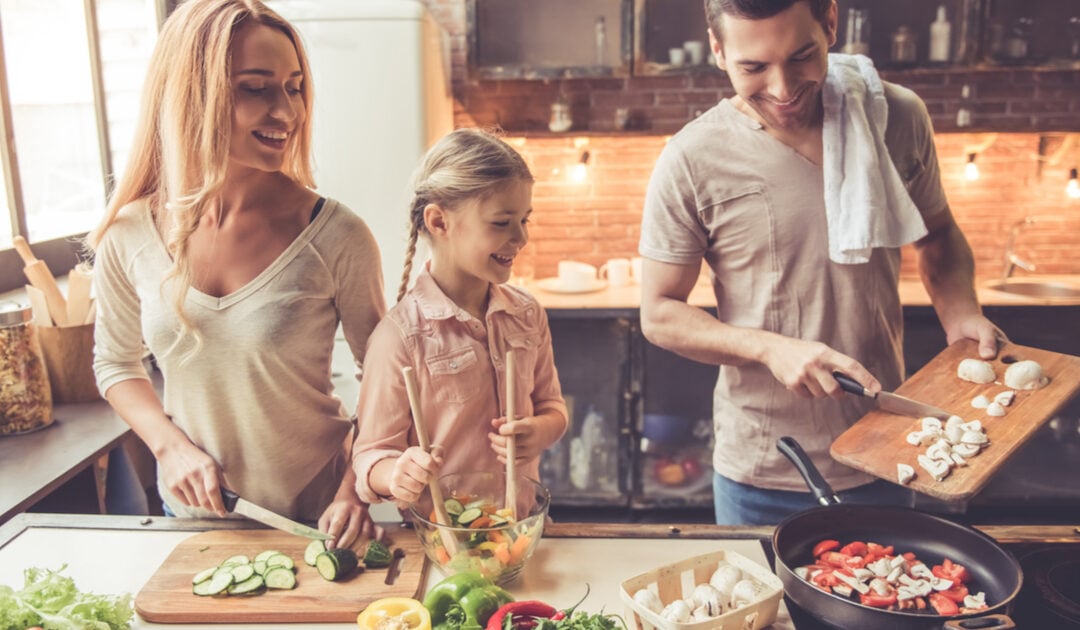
pixel 70 88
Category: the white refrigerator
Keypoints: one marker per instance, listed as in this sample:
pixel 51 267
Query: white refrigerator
pixel 381 72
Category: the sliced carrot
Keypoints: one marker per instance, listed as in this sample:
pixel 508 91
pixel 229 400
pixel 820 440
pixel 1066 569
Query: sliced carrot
pixel 518 547
pixel 502 553
pixel 481 521
pixel 443 555
pixel 496 537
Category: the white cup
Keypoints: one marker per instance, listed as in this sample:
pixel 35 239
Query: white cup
pixel 695 52
pixel 635 268
pixel 576 276
pixel 617 271
pixel 677 56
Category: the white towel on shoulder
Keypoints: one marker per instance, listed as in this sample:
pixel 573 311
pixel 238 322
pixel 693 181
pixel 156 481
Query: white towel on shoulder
pixel 866 203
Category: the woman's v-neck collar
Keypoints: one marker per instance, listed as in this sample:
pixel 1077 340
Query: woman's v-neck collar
pixel 284 258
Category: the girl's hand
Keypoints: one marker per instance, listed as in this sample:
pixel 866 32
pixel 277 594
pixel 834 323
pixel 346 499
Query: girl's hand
pixel 346 519
pixel 412 471
pixel 533 435
pixel 192 476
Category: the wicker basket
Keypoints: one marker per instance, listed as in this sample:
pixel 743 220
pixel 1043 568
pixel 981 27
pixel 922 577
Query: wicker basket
pixel 675 581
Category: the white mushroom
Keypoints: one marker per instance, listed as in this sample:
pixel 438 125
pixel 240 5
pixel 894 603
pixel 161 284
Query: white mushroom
pixel 931 424
pixel 974 437
pixel 1025 375
pixel 707 597
pixel 915 438
pixel 995 409
pixel 701 613
pixel 975 371
pixel 843 590
pixel 648 600
pixel 904 475
pixel 938 469
pixel 1005 398
pixel 802 572
pixel 676 611
pixel 746 592
pixel 724 578
pixel 940 584
pixel 940 450
pixel 956 459
pixel 953 433
pixel 980 402
pixel 966 451
pixel 975 601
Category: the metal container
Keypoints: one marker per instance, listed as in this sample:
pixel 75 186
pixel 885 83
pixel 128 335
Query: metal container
pixel 25 396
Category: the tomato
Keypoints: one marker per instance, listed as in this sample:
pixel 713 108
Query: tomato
pixel 835 558
pixel 947 570
pixel 826 579
pixel 877 601
pixel 856 548
pixel 957 593
pixel 943 605
pixel 825 545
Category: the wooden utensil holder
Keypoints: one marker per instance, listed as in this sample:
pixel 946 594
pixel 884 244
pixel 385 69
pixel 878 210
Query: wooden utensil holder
pixel 69 360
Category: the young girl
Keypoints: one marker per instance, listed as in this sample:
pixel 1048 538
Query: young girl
pixel 472 200
pixel 217 256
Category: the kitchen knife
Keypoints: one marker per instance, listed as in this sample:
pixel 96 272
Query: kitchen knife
pixel 891 402
pixel 233 503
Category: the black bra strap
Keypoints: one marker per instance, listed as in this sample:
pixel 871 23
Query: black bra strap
pixel 317 209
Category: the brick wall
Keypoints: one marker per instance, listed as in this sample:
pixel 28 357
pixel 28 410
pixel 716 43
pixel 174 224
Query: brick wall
pixel 599 218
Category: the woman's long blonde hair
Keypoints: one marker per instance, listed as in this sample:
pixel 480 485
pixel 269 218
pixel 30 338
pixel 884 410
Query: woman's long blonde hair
pixel 180 152
pixel 464 164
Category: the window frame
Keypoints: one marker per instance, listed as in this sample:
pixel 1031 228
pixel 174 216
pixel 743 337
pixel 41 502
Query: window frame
pixel 60 254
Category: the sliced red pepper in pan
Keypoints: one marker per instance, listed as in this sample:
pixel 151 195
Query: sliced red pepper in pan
pixel 948 570
pixel 876 600
pixel 943 605
pixel 857 548
pixel 835 559
pixel 826 545
pixel 957 593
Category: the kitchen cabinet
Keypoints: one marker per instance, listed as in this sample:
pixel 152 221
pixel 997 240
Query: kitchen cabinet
pixel 554 39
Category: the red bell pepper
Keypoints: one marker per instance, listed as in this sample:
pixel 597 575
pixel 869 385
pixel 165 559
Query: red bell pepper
pixel 948 570
pixel 522 615
pixel 943 605
pixel 825 545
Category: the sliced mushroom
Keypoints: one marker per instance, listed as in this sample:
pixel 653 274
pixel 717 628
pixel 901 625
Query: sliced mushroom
pixel 966 451
pixel 980 402
pixel 938 469
pixel 931 424
pixel 995 409
pixel 1005 398
pixel 904 475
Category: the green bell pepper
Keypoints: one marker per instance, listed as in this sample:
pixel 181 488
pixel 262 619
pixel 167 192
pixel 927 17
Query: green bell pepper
pixel 464 602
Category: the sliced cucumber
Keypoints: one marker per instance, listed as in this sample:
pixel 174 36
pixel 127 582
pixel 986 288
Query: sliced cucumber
pixel 214 586
pixel 242 572
pixel 279 560
pixel 496 519
pixel 250 585
pixel 313 550
pixel 260 567
pixel 280 577
pixel 376 556
pixel 335 564
pixel 204 575
pixel 238 559
pixel 264 555
pixel 454 507
pixel 469 515
pixel 475 505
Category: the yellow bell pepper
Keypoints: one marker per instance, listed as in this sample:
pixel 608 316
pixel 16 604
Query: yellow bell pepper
pixel 395 613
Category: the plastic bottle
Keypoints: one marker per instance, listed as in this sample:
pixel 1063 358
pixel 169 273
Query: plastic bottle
pixel 940 37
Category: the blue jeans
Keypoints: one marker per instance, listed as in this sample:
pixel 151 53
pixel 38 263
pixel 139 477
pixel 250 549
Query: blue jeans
pixel 741 504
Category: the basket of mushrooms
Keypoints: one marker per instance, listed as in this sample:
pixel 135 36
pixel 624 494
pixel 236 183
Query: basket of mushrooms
pixel 722 590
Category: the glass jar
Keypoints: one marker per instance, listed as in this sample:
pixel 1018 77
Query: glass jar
pixel 903 45
pixel 25 397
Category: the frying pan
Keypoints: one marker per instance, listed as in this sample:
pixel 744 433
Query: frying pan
pixel 993 570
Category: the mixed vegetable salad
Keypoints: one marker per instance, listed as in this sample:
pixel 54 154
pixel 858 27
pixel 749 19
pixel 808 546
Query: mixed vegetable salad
pixel 489 541
pixel 881 578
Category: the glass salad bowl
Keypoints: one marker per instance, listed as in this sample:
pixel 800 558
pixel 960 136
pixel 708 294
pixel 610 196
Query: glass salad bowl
pixel 483 536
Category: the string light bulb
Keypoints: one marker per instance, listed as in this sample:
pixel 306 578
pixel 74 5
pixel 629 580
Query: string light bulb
pixel 971 170
pixel 1072 189
pixel 580 171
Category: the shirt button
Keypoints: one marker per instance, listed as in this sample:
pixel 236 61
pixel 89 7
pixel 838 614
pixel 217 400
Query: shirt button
pixel 453 365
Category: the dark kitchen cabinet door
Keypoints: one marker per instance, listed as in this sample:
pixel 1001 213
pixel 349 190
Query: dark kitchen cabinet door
pixel 590 465
pixel 552 39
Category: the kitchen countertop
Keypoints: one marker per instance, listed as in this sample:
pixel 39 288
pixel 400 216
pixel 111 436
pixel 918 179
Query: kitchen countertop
pixel 131 549
pixel 912 293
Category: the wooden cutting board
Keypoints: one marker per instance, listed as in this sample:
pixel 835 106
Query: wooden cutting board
pixel 167 596
pixel 876 443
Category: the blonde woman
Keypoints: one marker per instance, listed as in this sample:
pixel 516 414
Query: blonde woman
pixel 472 201
pixel 218 257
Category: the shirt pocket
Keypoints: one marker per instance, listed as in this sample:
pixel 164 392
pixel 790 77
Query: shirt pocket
pixel 456 376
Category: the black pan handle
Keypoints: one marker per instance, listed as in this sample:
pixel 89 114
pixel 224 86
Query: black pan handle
pixel 817 484
pixel 850 385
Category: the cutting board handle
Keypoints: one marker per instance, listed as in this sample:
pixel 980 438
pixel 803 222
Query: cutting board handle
pixel 821 488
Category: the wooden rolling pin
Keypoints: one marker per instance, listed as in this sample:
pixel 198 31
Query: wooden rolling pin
pixel 37 272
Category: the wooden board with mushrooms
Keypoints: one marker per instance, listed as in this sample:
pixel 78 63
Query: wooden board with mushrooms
pixel 1022 387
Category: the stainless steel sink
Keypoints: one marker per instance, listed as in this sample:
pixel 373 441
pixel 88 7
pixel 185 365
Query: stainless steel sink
pixel 1041 289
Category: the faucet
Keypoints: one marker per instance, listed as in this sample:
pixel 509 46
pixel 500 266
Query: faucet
pixel 1012 261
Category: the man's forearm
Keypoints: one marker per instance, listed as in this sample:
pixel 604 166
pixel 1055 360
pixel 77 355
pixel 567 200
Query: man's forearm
pixel 695 334
pixel 947 269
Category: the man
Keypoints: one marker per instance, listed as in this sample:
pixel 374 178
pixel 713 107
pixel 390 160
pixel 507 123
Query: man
pixel 743 187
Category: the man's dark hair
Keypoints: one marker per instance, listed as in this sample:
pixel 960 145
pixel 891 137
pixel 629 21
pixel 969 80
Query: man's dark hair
pixel 758 10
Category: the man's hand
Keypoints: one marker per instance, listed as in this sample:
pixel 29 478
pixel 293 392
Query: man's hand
pixel 979 328
pixel 806 367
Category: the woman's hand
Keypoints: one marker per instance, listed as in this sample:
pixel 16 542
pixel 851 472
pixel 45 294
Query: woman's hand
pixel 192 476
pixel 533 435
pixel 347 518
pixel 412 471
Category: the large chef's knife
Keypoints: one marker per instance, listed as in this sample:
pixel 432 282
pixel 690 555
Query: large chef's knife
pixel 234 503
pixel 891 402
